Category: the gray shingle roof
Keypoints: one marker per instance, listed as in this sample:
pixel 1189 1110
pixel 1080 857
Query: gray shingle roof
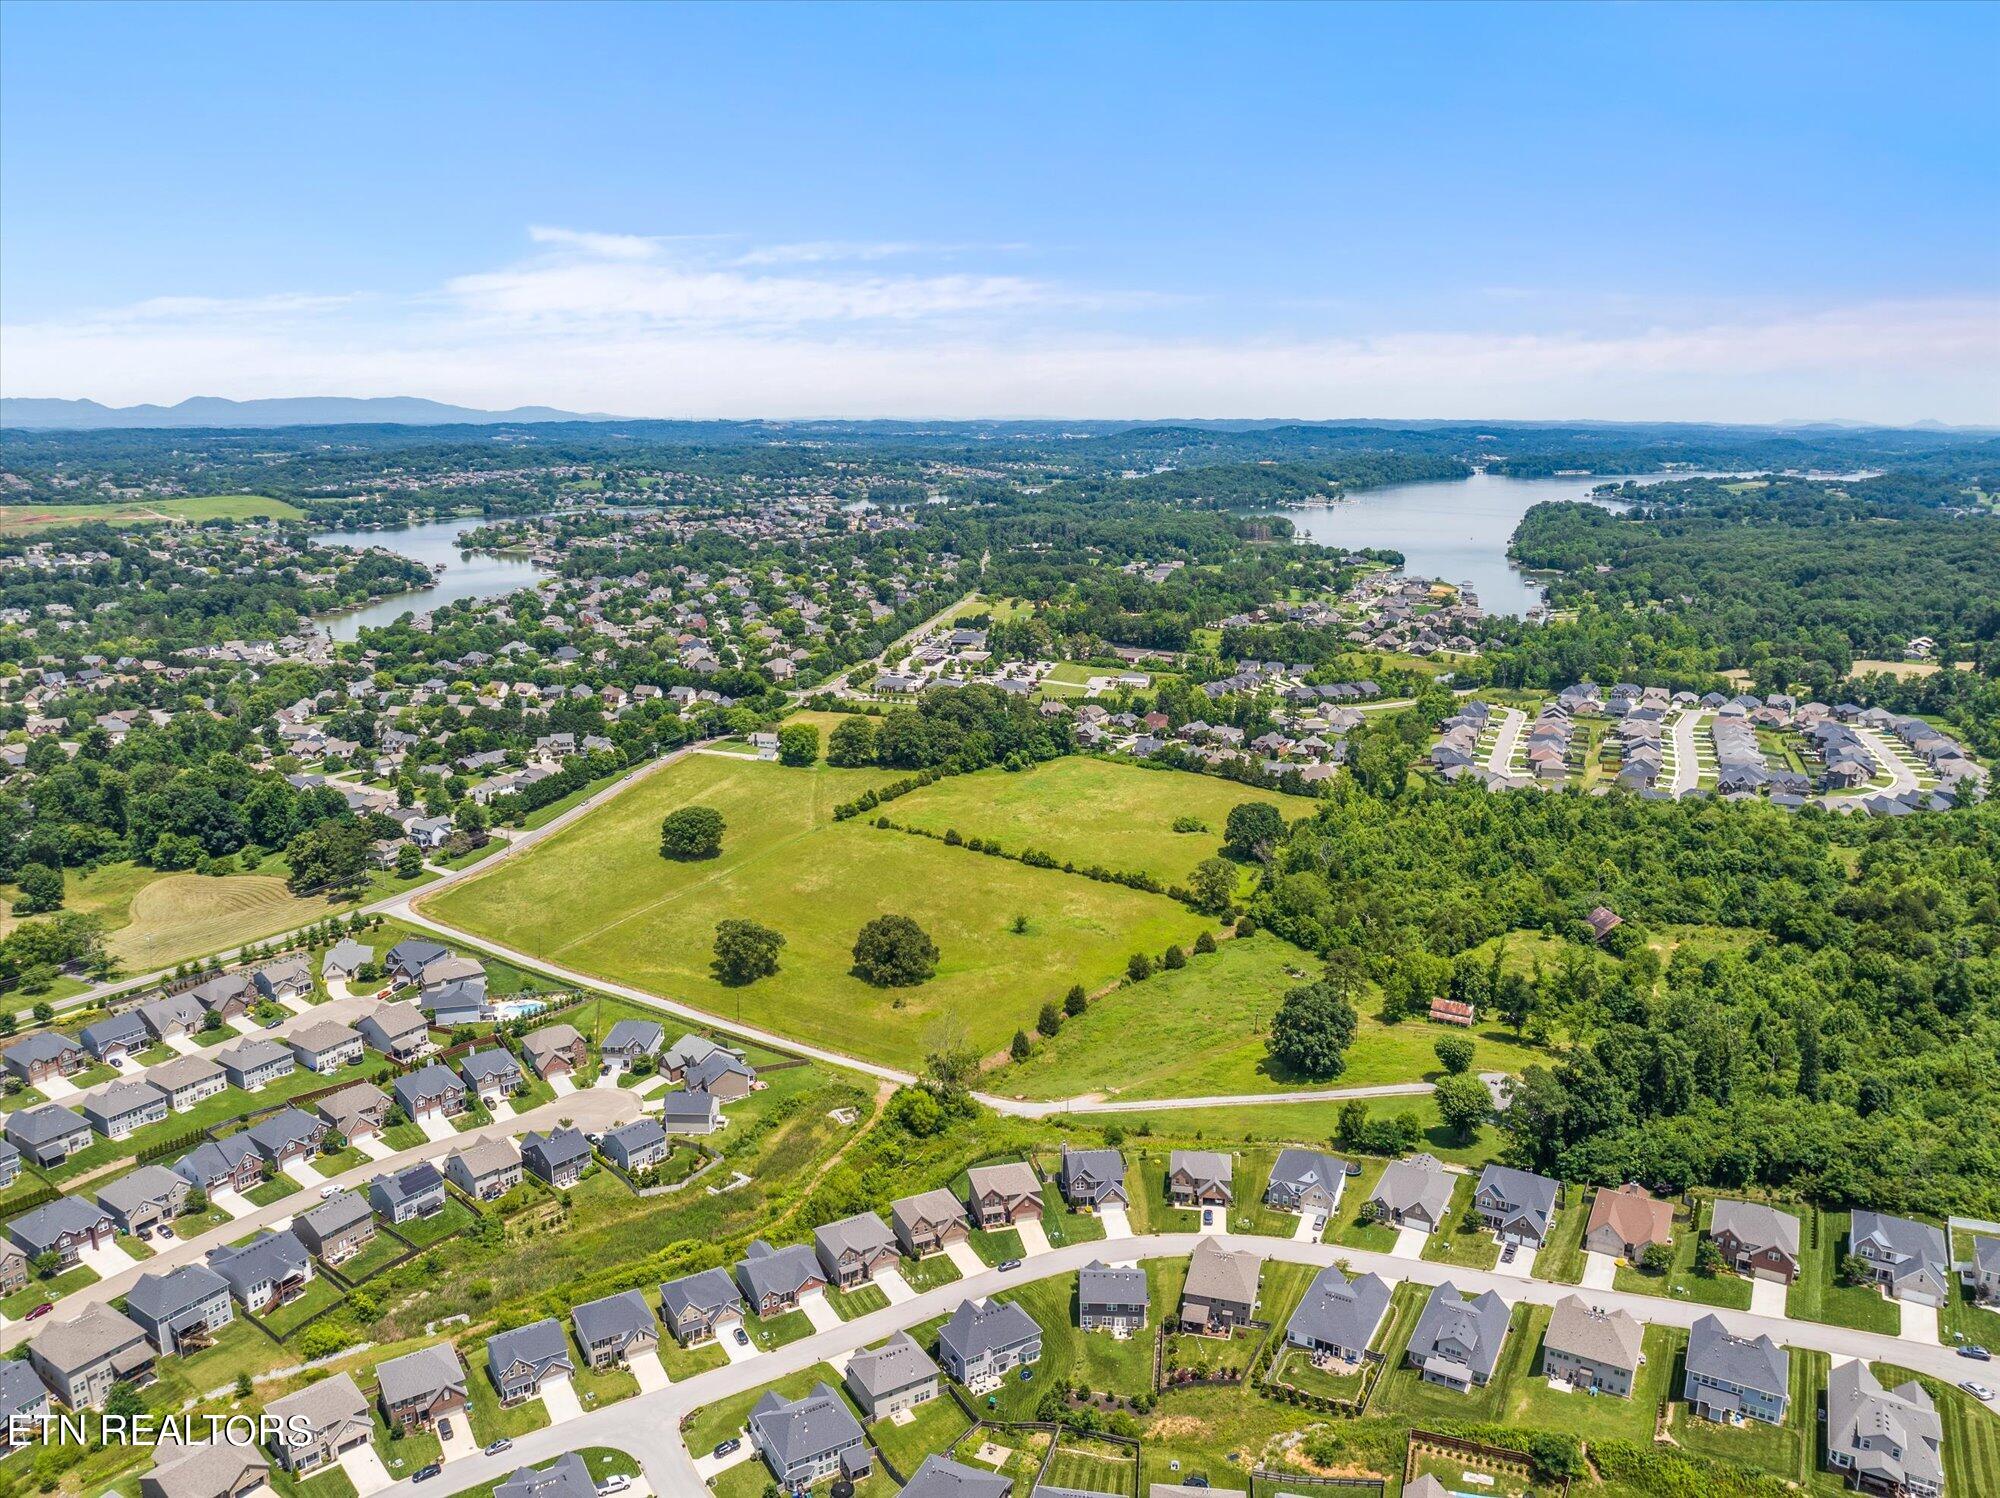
pixel 798 1429
pixel 1756 1224
pixel 977 1328
pixel 618 1316
pixel 159 1297
pixel 1338 1312
pixel 1713 1351
pixel 896 1364
pixel 540 1344
pixel 1478 1325
pixel 1611 1338
pixel 941 1477
pixel 766 1271
pixel 420 1374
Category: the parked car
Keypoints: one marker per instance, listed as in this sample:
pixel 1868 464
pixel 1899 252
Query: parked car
pixel 616 1483
pixel 425 1474
pixel 1977 1391
pixel 444 1430
pixel 498 1446
pixel 41 1310
pixel 742 1337
pixel 327 1193
pixel 723 1448
pixel 1007 1264
pixel 1977 1353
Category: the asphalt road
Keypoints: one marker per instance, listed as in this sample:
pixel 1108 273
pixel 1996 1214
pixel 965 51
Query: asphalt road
pixel 648 1425
pixel 1501 760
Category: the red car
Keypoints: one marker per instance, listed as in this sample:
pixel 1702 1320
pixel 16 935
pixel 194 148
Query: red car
pixel 41 1310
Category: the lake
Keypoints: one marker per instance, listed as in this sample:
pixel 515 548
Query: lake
pixel 467 574
pixel 1455 530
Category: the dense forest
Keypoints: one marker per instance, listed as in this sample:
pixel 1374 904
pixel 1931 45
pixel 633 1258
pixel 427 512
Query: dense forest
pixel 1808 1027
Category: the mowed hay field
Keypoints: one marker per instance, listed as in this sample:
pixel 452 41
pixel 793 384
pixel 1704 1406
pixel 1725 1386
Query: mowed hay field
pixel 1092 811
pixel 154 920
pixel 1207 1030
pixel 15 519
pixel 598 897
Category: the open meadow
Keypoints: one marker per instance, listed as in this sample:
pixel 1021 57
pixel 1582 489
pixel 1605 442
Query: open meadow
pixel 18 519
pixel 599 897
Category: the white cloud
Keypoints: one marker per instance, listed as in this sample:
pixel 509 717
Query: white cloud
pixel 657 327
pixel 828 251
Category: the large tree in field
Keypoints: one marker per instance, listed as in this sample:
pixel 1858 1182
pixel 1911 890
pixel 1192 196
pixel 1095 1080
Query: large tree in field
pixel 691 832
pixel 851 745
pixel 1254 828
pixel 1212 885
pixel 745 952
pixel 893 951
pixel 1464 1104
pixel 1312 1030
pixel 798 744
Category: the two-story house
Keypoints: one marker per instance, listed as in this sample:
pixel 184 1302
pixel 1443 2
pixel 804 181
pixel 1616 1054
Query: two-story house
pixel 887 1380
pixel 1731 1378
pixel 1457 1341
pixel 983 1341
pixel 854 1249
pixel 1111 1298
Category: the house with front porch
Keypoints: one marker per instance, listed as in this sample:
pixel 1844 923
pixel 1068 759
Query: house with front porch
pixel 616 1329
pixel 699 1306
pixel 1001 1195
pixel 319 1424
pixel 929 1222
pixel 1093 1179
pixel 143 1199
pixel 854 1249
pixel 773 1279
pixel 1200 1178
pixel 420 1388
pixel 519 1361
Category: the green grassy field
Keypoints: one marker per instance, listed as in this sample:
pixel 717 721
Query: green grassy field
pixel 1207 1027
pixel 598 896
pixel 19 519
pixel 1092 811
pixel 1818 1295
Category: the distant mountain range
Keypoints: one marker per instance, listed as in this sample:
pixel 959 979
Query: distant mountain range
pixel 296 411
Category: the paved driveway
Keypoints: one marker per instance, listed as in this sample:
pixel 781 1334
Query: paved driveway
pixel 650 1086
pixel 607 1076
pixel 1117 1222
pixel 106 1260
pixel 738 1352
pixel 710 1465
pixel 561 1084
pixel 1599 1270
pixel 560 1400
pixel 55 1088
pixel 460 1443
pixel 968 1261
pixel 895 1286
pixel 302 1172
pixel 297 1005
pixel 235 1203
pixel 437 1128
pixel 649 1371
pixel 1410 1243
pixel 1920 1323
pixel 1767 1298
pixel 819 1311
pixel 1308 1228
pixel 184 1044
pixel 365 1470
pixel 1523 1267
pixel 1033 1238
pixel 372 1146
pixel 501 1108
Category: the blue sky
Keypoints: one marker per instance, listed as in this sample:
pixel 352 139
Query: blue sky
pixel 1757 213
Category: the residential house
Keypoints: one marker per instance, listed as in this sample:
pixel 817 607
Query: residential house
pixel 231 1164
pixel 433 1092
pixel 49 1053
pixel 805 1440
pixel 1306 1182
pixel 684 1112
pixel 188 1080
pixel 405 962
pixel 636 1146
pixel 1220 1293
pixel 227 996
pixel 1457 1341
pixel 556 1158
pixel 1908 1259
pixel 1111 1299
pixel 289 979
pixel 1731 1379
pixel 80 1359
pixel 13 1269
pixel 518 1361
pixel 204 1469
pixel 173 1017
pixel 453 1004
pixel 111 1040
pixel 941 1477
pixel 568 1476
pixel 984 1340
pixel 629 1039
pixel 420 1388
pixel 1588 1347
pixel 10 1164
pixel 271 1269
pixel 121 1109
pixel 326 1047
pixel 929 1222
pixel 854 1249
pixel 338 1228
pixel 344 960
pixel 1981 1274
pixel 887 1380
pixel 1337 1318
pixel 143 1199
pixel 722 1075
pixel 1200 1178
pixel 773 1279
pixel 1412 1193
pixel 408 1195
pixel 49 1134
pixel 287 1136
pixel 1516 1206
pixel 684 1053
pixel 181 1310
pixel 24 1399
pixel 616 1329
pixel 1883 1440
pixel 1626 1222
pixel 555 1051
pixel 493 1074
pixel 486 1169
pixel 1000 1195
pixel 257 1063
pixel 1093 1179
pixel 356 1113
pixel 67 1227
pixel 698 1306
pixel 398 1031
pixel 320 1423
pixel 1756 1239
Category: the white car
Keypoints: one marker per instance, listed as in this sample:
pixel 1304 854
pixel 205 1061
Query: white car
pixel 1978 1391
pixel 617 1483
pixel 327 1193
